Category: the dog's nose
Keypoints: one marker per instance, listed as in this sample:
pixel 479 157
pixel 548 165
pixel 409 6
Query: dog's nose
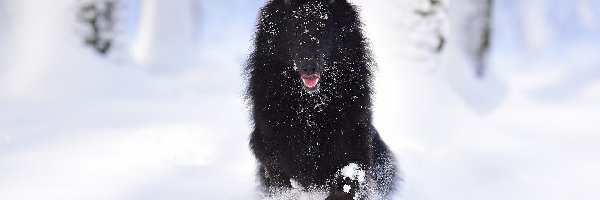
pixel 310 67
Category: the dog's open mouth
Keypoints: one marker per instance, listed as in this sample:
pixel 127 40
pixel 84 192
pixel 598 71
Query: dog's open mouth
pixel 310 81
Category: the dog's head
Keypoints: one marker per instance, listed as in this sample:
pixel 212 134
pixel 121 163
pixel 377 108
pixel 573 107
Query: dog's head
pixel 310 37
pixel 314 46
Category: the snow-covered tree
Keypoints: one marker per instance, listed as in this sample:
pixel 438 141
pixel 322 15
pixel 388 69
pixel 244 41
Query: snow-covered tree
pixel 165 34
pixel 432 13
pixel 471 26
pixel 464 60
pixel 478 28
pixel 99 16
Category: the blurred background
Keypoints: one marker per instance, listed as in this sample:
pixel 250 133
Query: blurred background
pixel 143 99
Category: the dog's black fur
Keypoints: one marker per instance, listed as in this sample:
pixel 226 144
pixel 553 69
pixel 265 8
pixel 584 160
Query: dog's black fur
pixel 309 134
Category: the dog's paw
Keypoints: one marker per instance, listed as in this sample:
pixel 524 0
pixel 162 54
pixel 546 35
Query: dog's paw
pixel 341 195
pixel 344 188
pixel 349 183
pixel 353 172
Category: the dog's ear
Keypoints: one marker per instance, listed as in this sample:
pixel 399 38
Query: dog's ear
pixel 331 1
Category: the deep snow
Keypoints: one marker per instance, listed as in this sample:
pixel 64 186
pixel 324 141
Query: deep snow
pixel 74 125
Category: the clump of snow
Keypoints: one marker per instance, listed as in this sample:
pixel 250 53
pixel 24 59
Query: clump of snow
pixel 295 184
pixel 354 172
pixel 347 188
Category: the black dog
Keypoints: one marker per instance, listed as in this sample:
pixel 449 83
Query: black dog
pixel 309 88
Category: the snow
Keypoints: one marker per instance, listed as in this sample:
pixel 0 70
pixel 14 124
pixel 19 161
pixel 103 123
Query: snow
pixel 347 188
pixel 354 172
pixel 74 125
pixel 295 184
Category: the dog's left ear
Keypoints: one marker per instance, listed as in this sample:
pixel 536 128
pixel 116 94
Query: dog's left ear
pixel 331 1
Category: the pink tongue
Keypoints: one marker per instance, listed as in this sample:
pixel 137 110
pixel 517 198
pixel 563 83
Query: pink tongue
pixel 310 81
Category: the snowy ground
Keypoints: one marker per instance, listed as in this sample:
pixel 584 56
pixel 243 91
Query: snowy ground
pixel 74 125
